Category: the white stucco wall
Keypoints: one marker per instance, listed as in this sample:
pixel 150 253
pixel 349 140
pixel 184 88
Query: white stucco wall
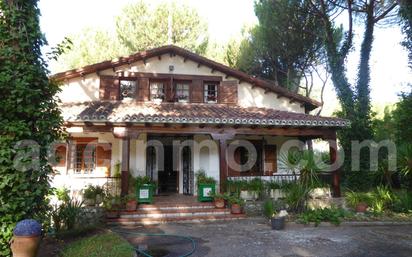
pixel 87 88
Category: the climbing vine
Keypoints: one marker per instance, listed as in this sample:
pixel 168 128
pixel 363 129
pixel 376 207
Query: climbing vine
pixel 29 111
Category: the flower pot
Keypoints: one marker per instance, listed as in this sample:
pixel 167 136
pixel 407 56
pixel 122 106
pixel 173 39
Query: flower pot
pixel 277 194
pixel 112 214
pixel 25 246
pixel 361 207
pixel 278 223
pixel 131 205
pixel 220 203
pixel 235 209
pixel 248 195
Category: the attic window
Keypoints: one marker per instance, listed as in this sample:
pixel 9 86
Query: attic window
pixel 127 89
pixel 210 93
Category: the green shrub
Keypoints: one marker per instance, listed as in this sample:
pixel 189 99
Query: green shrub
pixel 333 215
pixel 268 208
pixel 256 185
pixel 381 199
pixel 65 215
pixel 202 178
pixel 62 194
pixel 402 202
pixel 353 198
pixel 296 196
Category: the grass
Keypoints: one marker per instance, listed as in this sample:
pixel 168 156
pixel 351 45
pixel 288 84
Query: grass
pixel 107 244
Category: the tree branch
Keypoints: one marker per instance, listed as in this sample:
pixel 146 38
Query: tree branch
pixel 381 16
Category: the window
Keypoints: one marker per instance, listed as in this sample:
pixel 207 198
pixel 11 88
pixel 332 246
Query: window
pixel 210 93
pixel 127 89
pixel 85 162
pixel 157 91
pixel 182 92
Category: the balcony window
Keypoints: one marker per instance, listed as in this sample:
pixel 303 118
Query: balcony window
pixel 210 93
pixel 182 92
pixel 157 92
pixel 127 89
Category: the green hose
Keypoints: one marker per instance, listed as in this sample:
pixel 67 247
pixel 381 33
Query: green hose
pixel 167 235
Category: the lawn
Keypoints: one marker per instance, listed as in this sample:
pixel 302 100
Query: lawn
pixel 107 244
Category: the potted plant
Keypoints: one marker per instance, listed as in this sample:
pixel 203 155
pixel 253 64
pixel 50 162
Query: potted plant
pixel 236 204
pixel 277 219
pixel 219 200
pixel 99 192
pixel 251 189
pixel 359 201
pixel 26 238
pixel 275 190
pixel 89 195
pixel 112 205
pixel 131 202
pixel 206 186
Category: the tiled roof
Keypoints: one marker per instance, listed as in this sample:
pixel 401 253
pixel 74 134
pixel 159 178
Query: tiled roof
pixel 121 111
pixel 267 85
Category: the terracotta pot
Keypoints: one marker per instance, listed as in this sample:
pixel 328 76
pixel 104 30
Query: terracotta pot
pixel 25 246
pixel 131 205
pixel 235 209
pixel 112 214
pixel 220 203
pixel 361 207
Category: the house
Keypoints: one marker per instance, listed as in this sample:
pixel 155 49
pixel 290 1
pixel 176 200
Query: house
pixel 168 112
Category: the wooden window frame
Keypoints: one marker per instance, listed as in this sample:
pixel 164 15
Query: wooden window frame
pixel 178 83
pixel 136 88
pixel 206 90
pixel 152 82
pixel 82 169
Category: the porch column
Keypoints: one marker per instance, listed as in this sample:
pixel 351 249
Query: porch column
pixel 125 165
pixel 333 147
pixel 222 145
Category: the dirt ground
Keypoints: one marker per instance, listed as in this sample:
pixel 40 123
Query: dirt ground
pixel 254 237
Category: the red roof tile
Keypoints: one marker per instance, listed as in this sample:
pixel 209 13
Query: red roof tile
pixel 119 112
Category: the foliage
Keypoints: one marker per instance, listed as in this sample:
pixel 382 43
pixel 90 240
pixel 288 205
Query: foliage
pixel 256 185
pixel 144 180
pixel 272 184
pixel 129 197
pixel 353 198
pixel 296 196
pixel 202 178
pixel 283 46
pixel 268 208
pixel 65 215
pixel 117 167
pixel 381 199
pixel 218 196
pixel 106 244
pixel 138 27
pixel 111 202
pixel 406 14
pixel 62 194
pixel 402 202
pixel 29 111
pixel 90 192
pixel 333 215
pixel 234 199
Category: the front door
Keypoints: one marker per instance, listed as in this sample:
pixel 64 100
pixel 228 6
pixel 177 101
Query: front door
pixel 187 171
pixel 168 177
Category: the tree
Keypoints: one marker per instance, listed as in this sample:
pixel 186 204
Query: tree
pixel 406 15
pixel 140 28
pixel 284 45
pixel 29 111
pixel 90 46
pixel 355 100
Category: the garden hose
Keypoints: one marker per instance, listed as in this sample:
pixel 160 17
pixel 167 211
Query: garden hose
pixel 165 235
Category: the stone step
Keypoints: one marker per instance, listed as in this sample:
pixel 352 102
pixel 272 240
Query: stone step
pixel 171 206
pixel 142 213
pixel 188 219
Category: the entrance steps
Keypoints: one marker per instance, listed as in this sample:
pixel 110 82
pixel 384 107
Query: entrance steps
pixel 159 213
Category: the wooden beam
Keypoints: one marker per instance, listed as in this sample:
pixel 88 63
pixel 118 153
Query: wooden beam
pixel 125 166
pixel 223 171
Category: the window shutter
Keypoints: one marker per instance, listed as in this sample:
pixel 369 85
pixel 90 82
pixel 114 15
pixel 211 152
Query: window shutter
pixel 169 91
pixel 270 162
pixel 60 155
pixel 196 92
pixel 228 92
pixel 143 90
pixel 109 88
pixel 103 155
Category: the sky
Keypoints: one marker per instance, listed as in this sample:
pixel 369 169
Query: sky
pixel 390 73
